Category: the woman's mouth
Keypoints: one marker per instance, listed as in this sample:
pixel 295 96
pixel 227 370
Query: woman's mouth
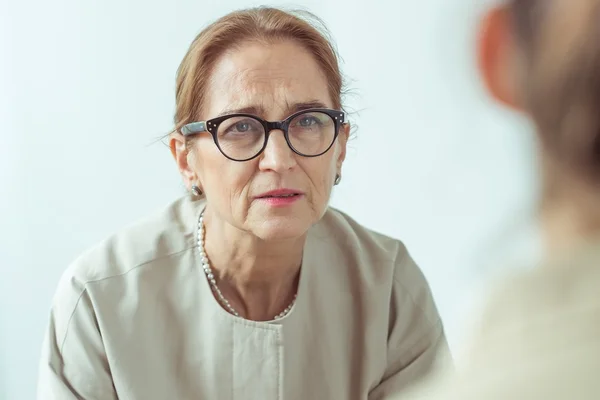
pixel 280 197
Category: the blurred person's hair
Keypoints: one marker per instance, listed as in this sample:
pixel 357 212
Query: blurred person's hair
pixel 560 42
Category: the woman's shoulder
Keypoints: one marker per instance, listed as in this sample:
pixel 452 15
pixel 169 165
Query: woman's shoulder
pixel 394 290
pixel 346 232
pixel 164 233
pixel 371 251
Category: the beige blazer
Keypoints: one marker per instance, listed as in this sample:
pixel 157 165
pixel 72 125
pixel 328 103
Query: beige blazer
pixel 134 318
pixel 538 338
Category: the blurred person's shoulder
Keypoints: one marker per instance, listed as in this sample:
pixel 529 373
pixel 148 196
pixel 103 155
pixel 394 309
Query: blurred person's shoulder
pixel 565 289
pixel 538 337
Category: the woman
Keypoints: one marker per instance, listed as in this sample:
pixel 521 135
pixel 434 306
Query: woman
pixel 250 288
pixel 539 337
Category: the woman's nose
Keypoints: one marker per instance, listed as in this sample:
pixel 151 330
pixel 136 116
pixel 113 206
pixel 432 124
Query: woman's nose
pixel 278 155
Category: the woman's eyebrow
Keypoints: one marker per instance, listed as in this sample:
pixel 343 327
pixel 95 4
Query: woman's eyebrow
pixel 260 110
pixel 254 110
pixel 305 106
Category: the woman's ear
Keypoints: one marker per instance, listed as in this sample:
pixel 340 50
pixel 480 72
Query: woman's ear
pixel 498 57
pixel 179 151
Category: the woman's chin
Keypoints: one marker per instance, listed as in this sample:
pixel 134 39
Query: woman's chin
pixel 278 228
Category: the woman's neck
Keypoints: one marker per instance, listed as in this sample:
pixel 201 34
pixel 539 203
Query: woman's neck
pixel 259 278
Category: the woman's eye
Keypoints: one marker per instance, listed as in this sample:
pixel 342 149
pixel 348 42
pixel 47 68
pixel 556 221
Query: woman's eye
pixel 242 126
pixel 307 121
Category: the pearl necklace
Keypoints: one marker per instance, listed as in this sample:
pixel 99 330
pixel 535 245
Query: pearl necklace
pixel 211 277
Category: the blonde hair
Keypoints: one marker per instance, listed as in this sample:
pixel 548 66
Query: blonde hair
pixel 262 24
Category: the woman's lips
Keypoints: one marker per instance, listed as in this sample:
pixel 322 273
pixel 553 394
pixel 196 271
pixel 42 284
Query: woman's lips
pixel 280 197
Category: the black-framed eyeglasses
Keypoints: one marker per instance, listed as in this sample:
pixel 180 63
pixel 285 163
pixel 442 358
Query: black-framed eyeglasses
pixel 242 137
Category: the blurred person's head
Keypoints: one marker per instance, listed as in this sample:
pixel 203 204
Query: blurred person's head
pixel 259 127
pixel 542 58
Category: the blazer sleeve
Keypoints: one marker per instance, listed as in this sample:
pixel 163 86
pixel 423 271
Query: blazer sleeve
pixel 73 364
pixel 417 344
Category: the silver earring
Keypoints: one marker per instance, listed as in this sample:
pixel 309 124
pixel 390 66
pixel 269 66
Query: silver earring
pixel 337 179
pixel 196 190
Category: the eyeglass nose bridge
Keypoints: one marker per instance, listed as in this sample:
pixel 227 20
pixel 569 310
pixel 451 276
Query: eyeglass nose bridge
pixel 282 126
pixel 275 126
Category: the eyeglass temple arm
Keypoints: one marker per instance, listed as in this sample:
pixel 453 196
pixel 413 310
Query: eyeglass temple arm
pixel 193 127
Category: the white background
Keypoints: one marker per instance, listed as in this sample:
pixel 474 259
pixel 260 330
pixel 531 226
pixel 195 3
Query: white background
pixel 87 86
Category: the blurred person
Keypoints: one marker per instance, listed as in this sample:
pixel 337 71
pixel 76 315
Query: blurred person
pixel 250 287
pixel 539 334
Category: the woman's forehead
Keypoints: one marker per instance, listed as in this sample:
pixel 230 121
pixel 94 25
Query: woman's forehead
pixel 268 78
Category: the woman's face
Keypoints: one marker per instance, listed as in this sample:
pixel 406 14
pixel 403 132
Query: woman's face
pixel 271 81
